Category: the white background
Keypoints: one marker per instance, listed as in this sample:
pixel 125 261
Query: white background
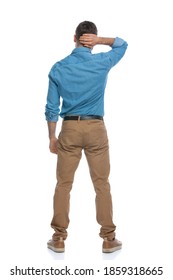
pixel 139 119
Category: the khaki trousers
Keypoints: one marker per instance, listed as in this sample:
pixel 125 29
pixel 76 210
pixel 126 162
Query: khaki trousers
pixel 90 136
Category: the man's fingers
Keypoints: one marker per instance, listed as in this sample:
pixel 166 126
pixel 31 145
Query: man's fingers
pixel 85 37
pixel 83 40
pixel 53 146
pixel 53 151
pixel 88 40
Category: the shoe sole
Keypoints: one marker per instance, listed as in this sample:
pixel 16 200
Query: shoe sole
pixel 56 250
pixel 111 250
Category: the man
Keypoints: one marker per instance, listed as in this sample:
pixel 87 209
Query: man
pixel 80 80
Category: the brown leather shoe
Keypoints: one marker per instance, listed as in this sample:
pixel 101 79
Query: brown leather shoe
pixel 56 246
pixel 110 246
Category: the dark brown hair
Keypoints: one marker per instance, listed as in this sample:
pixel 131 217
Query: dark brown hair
pixel 85 27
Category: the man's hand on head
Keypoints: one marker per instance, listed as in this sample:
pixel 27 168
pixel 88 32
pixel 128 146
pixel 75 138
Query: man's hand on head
pixel 88 40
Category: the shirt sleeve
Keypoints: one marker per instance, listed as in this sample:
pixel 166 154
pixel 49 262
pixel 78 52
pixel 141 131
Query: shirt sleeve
pixel 118 50
pixel 53 100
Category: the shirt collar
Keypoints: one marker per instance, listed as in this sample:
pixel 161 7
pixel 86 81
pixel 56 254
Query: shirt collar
pixel 81 49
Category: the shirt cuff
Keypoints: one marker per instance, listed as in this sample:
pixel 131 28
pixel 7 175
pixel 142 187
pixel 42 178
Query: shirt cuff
pixel 51 118
pixel 118 42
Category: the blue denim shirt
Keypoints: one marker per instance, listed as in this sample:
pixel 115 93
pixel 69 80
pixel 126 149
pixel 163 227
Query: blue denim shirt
pixel 77 82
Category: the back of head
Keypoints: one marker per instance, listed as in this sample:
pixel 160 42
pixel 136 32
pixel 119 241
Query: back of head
pixel 85 27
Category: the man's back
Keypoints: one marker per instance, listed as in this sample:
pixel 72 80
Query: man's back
pixel 81 78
